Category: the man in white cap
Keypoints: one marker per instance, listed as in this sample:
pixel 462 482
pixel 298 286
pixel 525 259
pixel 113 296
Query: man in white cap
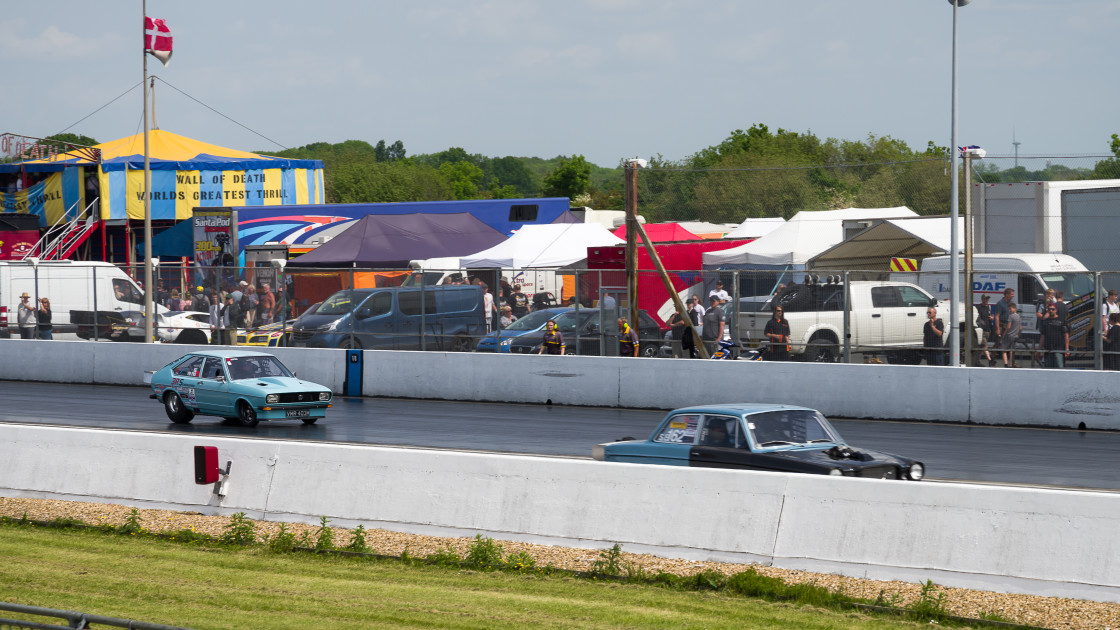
pixel 26 318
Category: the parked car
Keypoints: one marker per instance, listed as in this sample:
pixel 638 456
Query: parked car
pixel 750 436
pixel 500 340
pixel 444 317
pixel 238 385
pixel 582 330
pixel 170 326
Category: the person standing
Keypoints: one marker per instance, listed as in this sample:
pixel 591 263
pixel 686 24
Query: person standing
pixel 932 334
pixel 44 317
pixel 714 322
pixel 984 321
pixel 231 316
pixel 215 309
pixel 1001 314
pixel 507 317
pixel 249 308
pixel 1041 311
pixel 689 340
pixel 488 306
pixel 627 339
pixel 1010 335
pixel 26 317
pixel 1112 343
pixel 1108 308
pixel 266 304
pixel 553 342
pixel 677 330
pixel 518 302
pixel 720 293
pixel 1063 308
pixel 1053 338
pixel 777 332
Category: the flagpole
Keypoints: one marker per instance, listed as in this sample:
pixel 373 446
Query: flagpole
pixel 149 287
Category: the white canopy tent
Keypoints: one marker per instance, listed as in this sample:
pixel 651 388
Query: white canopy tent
pixel 756 227
pixel 543 246
pixel 873 248
pixel 790 246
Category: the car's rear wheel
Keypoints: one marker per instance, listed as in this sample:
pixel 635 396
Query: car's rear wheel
pixel 309 420
pixel 246 414
pixel 461 343
pixel 195 337
pixel 348 344
pixel 176 411
pixel 649 350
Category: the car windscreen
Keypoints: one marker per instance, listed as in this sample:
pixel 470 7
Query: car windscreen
pixel 1071 284
pixel 532 321
pixel 255 367
pixel 566 323
pixel 786 427
pixel 337 304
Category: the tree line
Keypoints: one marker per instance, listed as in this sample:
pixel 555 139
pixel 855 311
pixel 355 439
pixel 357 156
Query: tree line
pixel 757 172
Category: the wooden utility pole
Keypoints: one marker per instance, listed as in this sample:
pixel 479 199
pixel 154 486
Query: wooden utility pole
pixel 631 171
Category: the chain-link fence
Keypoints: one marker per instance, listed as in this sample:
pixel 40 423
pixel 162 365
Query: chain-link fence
pixel 727 195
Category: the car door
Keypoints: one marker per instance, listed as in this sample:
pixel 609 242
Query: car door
pixel 375 323
pixel 185 379
pixel 914 304
pixel 732 451
pixel 213 389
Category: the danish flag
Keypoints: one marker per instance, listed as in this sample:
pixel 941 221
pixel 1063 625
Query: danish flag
pixel 157 39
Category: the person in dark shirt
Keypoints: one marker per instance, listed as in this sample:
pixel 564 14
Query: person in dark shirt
pixel 553 342
pixel 1112 343
pixel 518 302
pixel 777 331
pixel 627 339
pixel 1053 338
pixel 984 321
pixel 932 333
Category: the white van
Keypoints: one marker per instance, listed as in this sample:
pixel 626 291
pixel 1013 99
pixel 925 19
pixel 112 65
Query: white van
pixel 1029 274
pixel 71 286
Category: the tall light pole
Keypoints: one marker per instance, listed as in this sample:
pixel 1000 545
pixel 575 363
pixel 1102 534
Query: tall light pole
pixel 954 213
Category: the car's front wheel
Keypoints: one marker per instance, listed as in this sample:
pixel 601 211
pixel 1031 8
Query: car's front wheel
pixel 246 414
pixel 176 411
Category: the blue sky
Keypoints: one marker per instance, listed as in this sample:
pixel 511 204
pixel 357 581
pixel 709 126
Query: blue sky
pixel 606 78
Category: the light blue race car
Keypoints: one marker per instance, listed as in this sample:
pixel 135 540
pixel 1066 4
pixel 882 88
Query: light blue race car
pixel 242 386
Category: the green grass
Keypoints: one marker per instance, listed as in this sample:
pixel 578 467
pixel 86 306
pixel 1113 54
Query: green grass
pixel 201 586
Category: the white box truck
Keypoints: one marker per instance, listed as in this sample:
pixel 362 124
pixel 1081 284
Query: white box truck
pixel 1030 275
pixel 71 286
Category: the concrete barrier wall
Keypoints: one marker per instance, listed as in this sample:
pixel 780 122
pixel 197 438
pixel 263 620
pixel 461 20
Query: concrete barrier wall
pixel 1062 398
pixel 1035 541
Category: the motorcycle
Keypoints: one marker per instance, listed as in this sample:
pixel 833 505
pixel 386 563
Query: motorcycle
pixel 723 352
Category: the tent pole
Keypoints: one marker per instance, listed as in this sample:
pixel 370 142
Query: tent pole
pixel 149 288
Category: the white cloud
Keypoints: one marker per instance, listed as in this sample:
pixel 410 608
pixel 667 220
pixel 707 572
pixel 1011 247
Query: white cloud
pixel 51 43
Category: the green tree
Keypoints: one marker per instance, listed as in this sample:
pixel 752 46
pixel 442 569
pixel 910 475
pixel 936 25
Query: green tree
pixel 464 178
pixel 571 178
pixel 511 172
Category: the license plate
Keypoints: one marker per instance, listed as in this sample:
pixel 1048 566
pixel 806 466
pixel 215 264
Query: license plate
pixel 297 413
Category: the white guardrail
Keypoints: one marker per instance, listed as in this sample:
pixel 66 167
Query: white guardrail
pixel 1060 398
pixel 1047 542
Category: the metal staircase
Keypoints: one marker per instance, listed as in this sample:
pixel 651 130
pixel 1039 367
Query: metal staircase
pixel 64 237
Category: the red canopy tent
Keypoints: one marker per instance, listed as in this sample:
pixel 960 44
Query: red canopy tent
pixel 661 232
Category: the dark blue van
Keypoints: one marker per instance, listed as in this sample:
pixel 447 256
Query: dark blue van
pixel 451 318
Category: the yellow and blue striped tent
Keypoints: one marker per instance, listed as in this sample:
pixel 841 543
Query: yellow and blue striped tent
pixel 186 174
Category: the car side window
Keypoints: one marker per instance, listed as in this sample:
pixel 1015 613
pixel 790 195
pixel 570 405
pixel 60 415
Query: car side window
pixel 913 297
pixel 721 431
pixel 191 367
pixel 378 304
pixel 885 297
pixel 212 369
pixel 680 429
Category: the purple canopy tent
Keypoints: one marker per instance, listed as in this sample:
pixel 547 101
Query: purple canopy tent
pixel 390 241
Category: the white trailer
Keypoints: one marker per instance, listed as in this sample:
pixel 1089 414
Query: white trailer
pixel 1079 218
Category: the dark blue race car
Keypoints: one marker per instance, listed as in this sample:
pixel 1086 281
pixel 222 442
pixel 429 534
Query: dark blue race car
pixel 748 436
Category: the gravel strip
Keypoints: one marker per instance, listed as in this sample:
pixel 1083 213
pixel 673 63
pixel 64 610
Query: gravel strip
pixel 1047 612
